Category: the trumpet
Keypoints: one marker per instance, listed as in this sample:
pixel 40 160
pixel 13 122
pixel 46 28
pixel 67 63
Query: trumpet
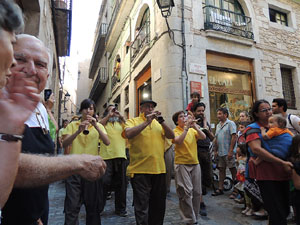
pixel 86 130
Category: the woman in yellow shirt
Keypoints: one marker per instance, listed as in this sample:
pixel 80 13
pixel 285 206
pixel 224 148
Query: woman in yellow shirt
pixel 187 168
pixel 84 136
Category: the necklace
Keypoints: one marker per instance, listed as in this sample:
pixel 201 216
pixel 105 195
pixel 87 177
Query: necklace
pixel 37 114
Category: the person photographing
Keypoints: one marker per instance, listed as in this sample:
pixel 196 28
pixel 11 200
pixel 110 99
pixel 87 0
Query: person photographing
pixel 115 158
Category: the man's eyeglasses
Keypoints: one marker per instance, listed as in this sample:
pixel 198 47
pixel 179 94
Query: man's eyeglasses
pixel 266 110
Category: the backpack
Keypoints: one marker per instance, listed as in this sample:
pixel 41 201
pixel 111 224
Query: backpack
pixel 290 121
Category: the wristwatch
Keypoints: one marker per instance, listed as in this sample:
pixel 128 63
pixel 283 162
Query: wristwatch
pixel 10 137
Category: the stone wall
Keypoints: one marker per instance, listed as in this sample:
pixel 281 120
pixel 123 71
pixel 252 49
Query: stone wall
pixel 280 44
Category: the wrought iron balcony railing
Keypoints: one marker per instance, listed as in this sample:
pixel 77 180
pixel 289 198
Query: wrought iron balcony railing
pixel 99 83
pixel 227 22
pixel 114 81
pixel 141 40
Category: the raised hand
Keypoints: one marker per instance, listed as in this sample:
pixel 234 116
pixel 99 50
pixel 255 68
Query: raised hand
pixel 91 120
pixel 17 102
pixel 50 102
pixel 151 117
pixel 111 111
pixel 83 125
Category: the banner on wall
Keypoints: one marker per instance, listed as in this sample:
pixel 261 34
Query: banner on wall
pixel 196 87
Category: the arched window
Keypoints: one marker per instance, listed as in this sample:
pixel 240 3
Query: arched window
pixel 144 27
pixel 142 32
pixel 145 18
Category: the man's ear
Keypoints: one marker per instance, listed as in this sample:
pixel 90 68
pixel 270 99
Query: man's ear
pixel 48 75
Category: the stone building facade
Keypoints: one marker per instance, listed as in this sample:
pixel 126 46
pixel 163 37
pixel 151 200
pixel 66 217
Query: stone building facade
pixel 231 51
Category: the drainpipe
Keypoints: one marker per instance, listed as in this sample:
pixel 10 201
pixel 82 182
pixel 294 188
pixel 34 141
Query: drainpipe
pixel 184 78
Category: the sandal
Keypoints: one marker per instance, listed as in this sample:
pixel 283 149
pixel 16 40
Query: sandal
pixel 217 192
pixel 233 194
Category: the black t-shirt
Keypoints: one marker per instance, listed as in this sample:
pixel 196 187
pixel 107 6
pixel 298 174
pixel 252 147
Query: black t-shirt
pixel 26 205
pixel 203 145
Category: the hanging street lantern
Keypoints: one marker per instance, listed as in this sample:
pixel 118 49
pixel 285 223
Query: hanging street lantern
pixel 165 7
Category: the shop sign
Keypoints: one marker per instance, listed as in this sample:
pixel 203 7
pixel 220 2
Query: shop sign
pixel 218 81
pixel 229 90
pixel 196 87
pixel 197 68
pixel 157 75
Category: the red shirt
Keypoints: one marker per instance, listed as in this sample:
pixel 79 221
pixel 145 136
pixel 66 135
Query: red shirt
pixel 266 170
pixel 189 106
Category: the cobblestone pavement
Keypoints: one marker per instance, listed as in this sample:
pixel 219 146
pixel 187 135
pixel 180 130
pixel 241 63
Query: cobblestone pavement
pixel 221 210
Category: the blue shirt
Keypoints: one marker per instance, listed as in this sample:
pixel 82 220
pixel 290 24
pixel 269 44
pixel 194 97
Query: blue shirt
pixel 223 136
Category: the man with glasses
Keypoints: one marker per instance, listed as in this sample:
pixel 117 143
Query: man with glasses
pixel 279 106
pixel 146 135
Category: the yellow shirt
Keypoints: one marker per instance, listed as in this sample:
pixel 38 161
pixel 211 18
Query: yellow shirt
pixel 168 143
pixel 61 132
pixel 84 144
pixel 147 148
pixel 117 146
pixel 186 153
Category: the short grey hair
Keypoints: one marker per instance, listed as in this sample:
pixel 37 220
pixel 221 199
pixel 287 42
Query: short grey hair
pixel 11 18
pixel 20 36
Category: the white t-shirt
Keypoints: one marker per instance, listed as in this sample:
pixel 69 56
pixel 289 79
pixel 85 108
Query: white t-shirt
pixel 39 117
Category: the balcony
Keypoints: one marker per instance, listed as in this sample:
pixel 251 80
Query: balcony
pixel 98 50
pixel 99 84
pixel 227 22
pixel 120 14
pixel 141 42
pixel 114 81
pixel 62 19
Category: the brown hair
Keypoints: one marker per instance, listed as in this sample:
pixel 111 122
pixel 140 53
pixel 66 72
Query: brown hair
pixel 175 116
pixel 196 94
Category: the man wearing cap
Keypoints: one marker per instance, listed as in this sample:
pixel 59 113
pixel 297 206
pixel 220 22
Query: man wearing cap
pixel 146 135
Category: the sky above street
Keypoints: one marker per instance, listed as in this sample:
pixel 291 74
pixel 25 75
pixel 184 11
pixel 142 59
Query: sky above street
pixel 84 20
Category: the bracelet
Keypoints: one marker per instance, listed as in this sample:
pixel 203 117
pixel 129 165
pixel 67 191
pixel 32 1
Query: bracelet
pixel 10 137
pixel 160 119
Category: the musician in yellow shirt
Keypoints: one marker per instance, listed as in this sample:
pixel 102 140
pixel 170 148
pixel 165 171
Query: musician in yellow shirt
pixel 187 168
pixel 146 135
pixel 114 156
pixel 84 136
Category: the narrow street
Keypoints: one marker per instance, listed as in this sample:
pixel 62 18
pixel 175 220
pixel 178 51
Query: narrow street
pixel 221 210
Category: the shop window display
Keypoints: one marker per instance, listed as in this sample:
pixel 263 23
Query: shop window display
pixel 231 90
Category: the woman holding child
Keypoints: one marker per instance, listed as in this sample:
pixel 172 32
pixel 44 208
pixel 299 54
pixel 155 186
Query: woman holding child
pixel 272 173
